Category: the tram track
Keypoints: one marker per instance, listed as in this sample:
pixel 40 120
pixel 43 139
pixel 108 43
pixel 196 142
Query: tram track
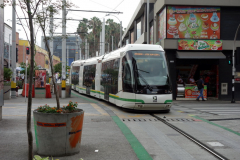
pixel 213 152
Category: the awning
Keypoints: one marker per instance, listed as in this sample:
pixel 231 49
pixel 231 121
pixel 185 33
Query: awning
pixel 200 55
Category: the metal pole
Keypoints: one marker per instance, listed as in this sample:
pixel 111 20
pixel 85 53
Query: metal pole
pixel 26 77
pixel 64 49
pixel 51 39
pixel 112 43
pixel 147 21
pixel 100 44
pixel 108 47
pixel 103 36
pixel 86 49
pixel 13 83
pixel 67 55
pixel 120 33
pixel 9 51
pixel 24 50
pixel 233 66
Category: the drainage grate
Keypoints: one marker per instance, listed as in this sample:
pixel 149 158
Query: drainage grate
pixel 139 120
pixel 154 120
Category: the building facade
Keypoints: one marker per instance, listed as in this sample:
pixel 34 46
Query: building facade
pixel 1 56
pixel 73 45
pixel 197 37
pixel 8 44
pixel 41 56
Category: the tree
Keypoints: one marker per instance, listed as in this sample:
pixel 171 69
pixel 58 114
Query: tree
pixel 39 10
pixel 94 25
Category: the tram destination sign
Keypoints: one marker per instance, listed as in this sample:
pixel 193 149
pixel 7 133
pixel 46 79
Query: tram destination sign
pixel 199 44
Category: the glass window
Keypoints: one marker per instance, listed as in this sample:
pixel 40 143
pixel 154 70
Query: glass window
pixel 128 82
pixel 89 76
pixel 143 69
pixel 139 29
pixel 75 75
pixel 109 76
pixel 132 37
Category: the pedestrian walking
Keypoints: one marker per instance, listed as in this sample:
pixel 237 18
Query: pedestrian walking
pixel 56 76
pixel 200 85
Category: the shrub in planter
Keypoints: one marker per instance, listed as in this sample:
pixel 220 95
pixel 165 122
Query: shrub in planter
pixel 7 74
pixel 58 131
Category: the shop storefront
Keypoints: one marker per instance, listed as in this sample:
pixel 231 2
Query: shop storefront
pixel 198 52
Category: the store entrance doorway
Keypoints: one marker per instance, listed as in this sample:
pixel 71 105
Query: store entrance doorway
pixel 209 72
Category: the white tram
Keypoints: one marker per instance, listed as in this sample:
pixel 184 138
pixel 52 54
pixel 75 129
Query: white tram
pixel 134 77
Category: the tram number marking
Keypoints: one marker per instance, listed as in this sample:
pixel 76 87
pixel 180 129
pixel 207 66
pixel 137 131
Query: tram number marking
pixel 154 98
pixel 140 105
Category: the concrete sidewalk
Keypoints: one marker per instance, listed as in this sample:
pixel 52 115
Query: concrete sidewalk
pixel 101 137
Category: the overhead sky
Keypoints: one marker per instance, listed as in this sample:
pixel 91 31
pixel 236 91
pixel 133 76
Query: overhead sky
pixel 126 6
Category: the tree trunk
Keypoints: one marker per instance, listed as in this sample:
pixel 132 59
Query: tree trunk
pixel 51 65
pixel 29 107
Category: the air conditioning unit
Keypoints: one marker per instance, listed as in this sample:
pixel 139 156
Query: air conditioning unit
pixel 224 88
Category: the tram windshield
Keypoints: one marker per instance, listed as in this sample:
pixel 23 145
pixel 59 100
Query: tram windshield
pixel 148 68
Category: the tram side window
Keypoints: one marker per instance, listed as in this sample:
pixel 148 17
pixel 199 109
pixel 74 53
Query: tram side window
pixel 109 76
pixel 89 76
pixel 75 75
pixel 127 76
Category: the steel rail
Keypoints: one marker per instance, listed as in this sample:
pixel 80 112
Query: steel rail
pixel 215 153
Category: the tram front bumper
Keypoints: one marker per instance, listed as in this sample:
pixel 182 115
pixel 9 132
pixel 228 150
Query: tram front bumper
pixel 148 106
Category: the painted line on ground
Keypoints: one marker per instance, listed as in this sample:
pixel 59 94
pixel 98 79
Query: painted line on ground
pixel 137 147
pixel 87 99
pixel 99 109
pixel 140 151
pixel 225 128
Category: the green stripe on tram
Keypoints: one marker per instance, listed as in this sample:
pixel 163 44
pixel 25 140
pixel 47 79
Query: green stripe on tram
pixel 140 151
pixel 168 101
pixel 128 100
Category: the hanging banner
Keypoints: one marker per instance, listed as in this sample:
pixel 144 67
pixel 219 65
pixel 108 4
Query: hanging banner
pixel 199 44
pixel 193 22
pixel 40 78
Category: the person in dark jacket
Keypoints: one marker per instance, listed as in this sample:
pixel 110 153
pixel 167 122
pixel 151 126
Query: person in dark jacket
pixel 200 85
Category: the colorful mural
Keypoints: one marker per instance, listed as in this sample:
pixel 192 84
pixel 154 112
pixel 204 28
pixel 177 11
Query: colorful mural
pixel 199 44
pixel 193 22
pixel 40 78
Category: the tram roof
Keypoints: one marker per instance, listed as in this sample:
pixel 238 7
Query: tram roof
pixel 116 53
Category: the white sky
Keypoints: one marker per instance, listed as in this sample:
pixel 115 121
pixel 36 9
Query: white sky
pixel 126 6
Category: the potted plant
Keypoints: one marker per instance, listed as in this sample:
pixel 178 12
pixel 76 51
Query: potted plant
pixel 7 83
pixel 57 121
pixel 58 131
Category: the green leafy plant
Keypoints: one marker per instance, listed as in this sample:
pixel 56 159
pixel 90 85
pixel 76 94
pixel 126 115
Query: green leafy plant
pixel 47 109
pixel 71 107
pixel 7 73
pixel 7 83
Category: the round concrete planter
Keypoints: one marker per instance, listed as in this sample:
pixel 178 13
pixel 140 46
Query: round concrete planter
pixel 58 134
pixel 6 92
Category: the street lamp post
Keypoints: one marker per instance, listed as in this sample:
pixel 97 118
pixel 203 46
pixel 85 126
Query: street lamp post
pixel 233 66
pixel 9 51
pixel 120 28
